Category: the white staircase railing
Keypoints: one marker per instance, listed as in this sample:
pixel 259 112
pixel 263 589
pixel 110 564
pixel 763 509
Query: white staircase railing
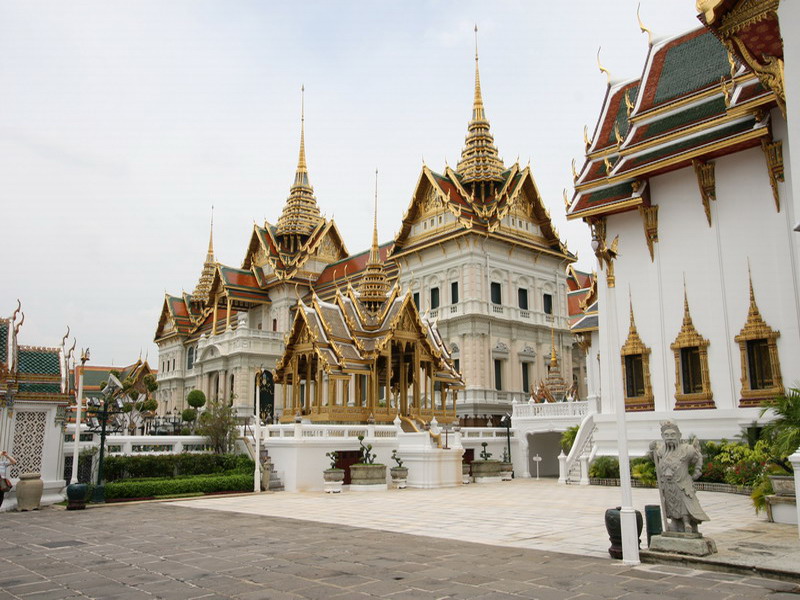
pixel 575 468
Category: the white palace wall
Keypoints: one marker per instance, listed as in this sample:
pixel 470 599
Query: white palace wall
pixel 713 262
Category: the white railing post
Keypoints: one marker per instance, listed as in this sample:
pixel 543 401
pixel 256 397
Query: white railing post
pixel 584 469
pixel 562 468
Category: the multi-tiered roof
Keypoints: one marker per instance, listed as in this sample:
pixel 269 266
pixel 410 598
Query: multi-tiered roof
pixel 481 194
pixel 693 103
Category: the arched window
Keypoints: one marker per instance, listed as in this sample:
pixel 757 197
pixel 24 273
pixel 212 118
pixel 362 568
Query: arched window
pixel 190 358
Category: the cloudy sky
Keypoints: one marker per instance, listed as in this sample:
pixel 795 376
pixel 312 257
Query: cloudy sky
pixel 123 122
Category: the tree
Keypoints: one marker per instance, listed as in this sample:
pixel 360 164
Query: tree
pixel 196 399
pixel 783 432
pixel 218 424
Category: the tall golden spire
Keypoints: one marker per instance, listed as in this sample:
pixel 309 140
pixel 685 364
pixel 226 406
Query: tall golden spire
pixel 300 214
pixel 203 287
pixel 479 158
pixel 374 285
pixel 553 356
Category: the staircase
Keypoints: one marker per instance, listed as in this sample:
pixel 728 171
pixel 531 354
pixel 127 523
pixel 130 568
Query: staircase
pixel 584 444
pixel 274 483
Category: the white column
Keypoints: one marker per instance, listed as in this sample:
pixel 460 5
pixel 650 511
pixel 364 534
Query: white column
pixel 630 544
pixel 795 460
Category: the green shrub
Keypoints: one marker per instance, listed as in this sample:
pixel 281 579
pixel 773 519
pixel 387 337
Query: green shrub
pixel 643 469
pixel 604 467
pixel 568 438
pixel 196 399
pixel 713 472
pixel 117 468
pixel 192 485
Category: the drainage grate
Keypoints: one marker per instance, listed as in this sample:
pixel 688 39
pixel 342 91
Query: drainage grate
pixel 63 544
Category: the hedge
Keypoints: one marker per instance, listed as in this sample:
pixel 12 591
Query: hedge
pixel 118 468
pixel 162 487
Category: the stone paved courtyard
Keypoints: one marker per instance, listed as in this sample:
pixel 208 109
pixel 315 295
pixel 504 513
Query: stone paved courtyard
pixel 176 552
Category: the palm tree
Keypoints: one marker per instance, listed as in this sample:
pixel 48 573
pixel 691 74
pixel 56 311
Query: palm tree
pixel 784 430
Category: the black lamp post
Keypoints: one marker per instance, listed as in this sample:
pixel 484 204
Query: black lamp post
pixel 102 411
pixel 506 422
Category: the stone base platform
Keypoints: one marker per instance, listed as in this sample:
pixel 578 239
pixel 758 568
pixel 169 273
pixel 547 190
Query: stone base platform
pixel 673 542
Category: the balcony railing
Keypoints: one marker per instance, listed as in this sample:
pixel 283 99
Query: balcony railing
pixel 549 410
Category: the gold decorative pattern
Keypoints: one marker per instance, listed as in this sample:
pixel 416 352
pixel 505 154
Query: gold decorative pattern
pixel 688 337
pixel 707 183
pixel 605 254
pixel 756 329
pixel 773 152
pixel 650 221
pixel 731 25
pixel 634 346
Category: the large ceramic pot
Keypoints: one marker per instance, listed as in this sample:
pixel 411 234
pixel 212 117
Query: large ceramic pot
pixel 506 471
pixel 399 477
pixel 782 485
pixel 29 491
pixel 367 477
pixel 77 494
pixel 614 529
pixel 333 480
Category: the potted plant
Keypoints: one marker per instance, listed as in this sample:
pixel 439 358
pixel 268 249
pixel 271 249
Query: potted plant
pixel 506 468
pixel 486 470
pixel 399 473
pixel 367 475
pixel 333 475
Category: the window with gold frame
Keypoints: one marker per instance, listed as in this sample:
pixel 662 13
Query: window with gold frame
pixel 692 381
pixel 761 370
pixel 636 384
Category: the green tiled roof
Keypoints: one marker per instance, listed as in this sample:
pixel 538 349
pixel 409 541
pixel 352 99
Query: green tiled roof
pixel 691 66
pixel 685 117
pixel 3 341
pixel 40 388
pixel 691 143
pixel 39 362
pixel 621 189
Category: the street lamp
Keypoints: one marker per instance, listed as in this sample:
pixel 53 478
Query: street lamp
pixel 506 422
pixel 104 409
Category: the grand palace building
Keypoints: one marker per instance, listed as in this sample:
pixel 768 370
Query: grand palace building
pixel 476 253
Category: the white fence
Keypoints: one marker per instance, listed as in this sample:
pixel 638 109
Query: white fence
pixel 549 410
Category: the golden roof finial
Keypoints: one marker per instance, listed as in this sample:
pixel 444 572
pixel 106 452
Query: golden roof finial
pixel 203 286
pixel 553 357
pixel 300 214
pixel 587 142
pixel 374 285
pixel 479 158
pixel 642 27
pixel 574 171
pixel 211 234
pixel 628 104
pixel 566 200
pixel 602 68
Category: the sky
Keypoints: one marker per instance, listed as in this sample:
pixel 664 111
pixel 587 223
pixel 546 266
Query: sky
pixel 123 122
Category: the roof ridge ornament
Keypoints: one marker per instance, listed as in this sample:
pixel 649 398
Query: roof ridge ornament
pixel 642 26
pixel 602 68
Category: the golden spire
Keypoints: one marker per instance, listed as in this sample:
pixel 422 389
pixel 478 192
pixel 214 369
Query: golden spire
pixel 753 312
pixel 553 357
pixel 203 287
pixel 479 158
pixel 374 285
pixel 300 214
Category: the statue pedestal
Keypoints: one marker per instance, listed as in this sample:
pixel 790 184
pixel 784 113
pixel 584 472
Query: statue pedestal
pixel 674 542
